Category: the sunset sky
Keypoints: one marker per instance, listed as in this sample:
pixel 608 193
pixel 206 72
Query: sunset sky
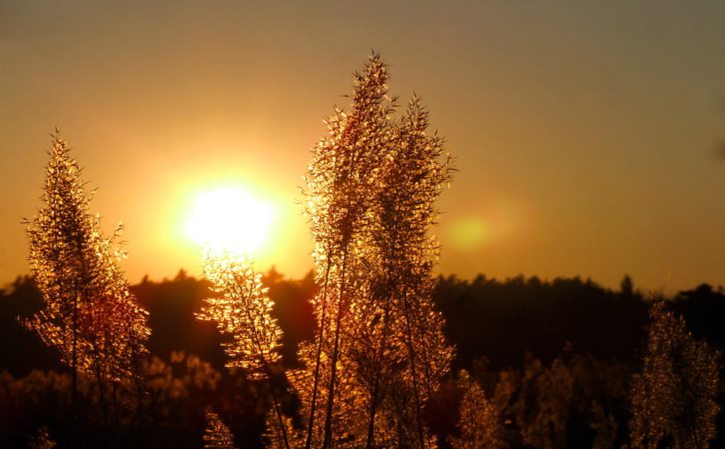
pixel 587 134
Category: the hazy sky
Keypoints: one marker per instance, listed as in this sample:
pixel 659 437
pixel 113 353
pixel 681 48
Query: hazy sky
pixel 586 133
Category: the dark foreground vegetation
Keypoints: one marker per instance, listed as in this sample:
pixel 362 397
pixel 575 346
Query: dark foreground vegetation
pixel 554 355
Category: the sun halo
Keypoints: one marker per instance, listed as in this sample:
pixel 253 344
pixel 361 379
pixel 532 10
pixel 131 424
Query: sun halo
pixel 229 220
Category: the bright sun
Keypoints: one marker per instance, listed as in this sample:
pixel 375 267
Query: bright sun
pixel 229 219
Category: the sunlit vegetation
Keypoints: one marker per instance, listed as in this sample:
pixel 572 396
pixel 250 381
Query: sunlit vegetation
pixel 217 435
pixel 379 352
pixel 89 315
pixel 371 350
pixel 243 310
pixel 180 386
pixel 42 440
pixel 479 424
pixel 673 398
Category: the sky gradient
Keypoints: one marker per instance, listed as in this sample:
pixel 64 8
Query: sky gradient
pixel 586 133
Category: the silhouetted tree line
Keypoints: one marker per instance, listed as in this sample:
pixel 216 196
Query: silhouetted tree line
pixel 504 319
pixel 513 337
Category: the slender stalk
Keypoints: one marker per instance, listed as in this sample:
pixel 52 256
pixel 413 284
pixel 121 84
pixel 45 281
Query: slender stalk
pixel 318 354
pixel 265 365
pixel 139 416
pixel 116 416
pixel 413 371
pixel 277 404
pixel 74 374
pixel 335 354
pixel 244 312
pixel 268 372
pixel 391 282
pixel 138 385
pixel 375 389
pixel 102 401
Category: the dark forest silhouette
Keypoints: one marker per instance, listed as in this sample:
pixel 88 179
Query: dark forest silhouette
pixel 507 327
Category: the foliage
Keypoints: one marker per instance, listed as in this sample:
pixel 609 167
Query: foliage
pixel 409 352
pixel 341 182
pixel 181 385
pixel 371 188
pixel 42 440
pixel 273 436
pixel 576 401
pixel 480 422
pixel 217 435
pixel 242 309
pixel 673 398
pixel 89 313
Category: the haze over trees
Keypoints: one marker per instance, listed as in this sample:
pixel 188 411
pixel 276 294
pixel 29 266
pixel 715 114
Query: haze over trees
pixel 373 366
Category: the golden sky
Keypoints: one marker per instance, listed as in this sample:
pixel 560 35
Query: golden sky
pixel 586 133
